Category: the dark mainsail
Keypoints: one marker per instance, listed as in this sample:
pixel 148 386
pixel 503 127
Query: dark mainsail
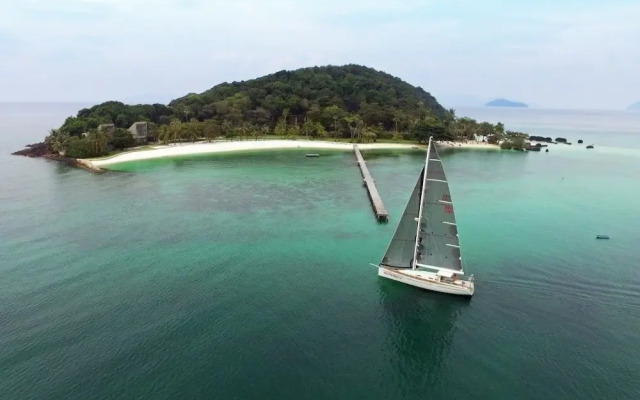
pixel 439 245
pixel 400 251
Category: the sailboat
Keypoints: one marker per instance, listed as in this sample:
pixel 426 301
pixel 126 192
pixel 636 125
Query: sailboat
pixel 425 249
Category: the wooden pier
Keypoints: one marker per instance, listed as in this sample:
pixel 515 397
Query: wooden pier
pixel 378 207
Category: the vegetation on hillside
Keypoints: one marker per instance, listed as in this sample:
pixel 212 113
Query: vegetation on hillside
pixel 348 102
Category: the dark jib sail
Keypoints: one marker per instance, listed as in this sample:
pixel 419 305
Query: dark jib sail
pixel 400 251
pixel 439 244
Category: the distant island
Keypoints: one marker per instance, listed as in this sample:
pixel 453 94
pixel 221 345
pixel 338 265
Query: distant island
pixel 634 107
pixel 349 103
pixel 505 103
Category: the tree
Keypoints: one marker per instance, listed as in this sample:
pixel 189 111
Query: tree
pixel 57 141
pixel 226 127
pixel 498 134
pixel 369 136
pixel 514 140
pixel 152 131
pixel 466 129
pixel 307 128
pixel 177 129
pixel 355 124
pixel 485 129
pixel 211 129
pixel 319 131
pixel 256 131
pixel 265 129
pixel 429 127
pixel 164 134
pixel 281 128
pixel 98 141
pixel 79 148
pixel 285 115
pixel 122 138
pixel 293 132
pixel 244 130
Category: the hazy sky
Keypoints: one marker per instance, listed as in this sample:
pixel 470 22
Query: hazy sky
pixel 557 54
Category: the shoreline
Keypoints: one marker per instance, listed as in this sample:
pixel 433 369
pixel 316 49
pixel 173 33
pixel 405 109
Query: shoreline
pixel 162 151
pixel 468 145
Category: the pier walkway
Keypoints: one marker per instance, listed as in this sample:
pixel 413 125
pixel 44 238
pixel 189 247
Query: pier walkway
pixel 378 207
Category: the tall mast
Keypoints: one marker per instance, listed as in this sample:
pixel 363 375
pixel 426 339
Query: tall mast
pixel 424 180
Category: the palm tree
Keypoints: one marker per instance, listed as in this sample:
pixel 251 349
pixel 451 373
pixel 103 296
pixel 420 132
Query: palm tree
pixel 285 114
pixel 226 127
pixel 307 128
pixel 397 117
pixel 265 129
pixel 98 140
pixel 164 134
pixel 176 130
pixel 256 131
pixel 57 141
pixel 243 130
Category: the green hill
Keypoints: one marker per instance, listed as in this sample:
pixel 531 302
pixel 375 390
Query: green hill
pixel 505 103
pixel 323 94
pixel 375 96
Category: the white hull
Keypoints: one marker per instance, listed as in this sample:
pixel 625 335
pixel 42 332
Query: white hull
pixel 427 280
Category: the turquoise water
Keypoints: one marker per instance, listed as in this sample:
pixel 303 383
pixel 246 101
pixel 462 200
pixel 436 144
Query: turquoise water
pixel 247 275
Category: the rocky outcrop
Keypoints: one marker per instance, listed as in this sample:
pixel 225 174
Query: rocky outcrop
pixel 40 150
pixel 88 165
pixel 34 150
pixel 540 139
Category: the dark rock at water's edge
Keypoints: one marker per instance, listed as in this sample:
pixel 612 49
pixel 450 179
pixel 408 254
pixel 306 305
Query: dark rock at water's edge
pixel 40 150
pixel 561 140
pixel 590 146
pixel 540 139
pixel 530 147
pixel 505 103
pixel 34 150
pixel 546 151
pixel 579 141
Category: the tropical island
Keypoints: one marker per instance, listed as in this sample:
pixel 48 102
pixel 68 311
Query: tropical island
pixel 505 103
pixel 350 103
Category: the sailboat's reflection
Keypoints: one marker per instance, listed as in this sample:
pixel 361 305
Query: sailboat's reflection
pixel 420 330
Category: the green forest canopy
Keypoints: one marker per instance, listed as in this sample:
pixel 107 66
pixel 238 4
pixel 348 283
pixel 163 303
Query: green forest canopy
pixel 321 94
pixel 349 101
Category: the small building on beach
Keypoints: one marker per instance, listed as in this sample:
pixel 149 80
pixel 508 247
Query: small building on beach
pixel 107 128
pixel 139 131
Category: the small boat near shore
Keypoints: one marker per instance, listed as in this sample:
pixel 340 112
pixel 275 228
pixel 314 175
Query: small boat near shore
pixel 602 236
pixel 312 155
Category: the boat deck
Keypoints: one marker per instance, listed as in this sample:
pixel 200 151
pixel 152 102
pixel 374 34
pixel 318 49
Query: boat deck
pixel 376 202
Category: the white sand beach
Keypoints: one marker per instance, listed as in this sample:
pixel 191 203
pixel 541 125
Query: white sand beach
pixel 184 149
pixel 219 147
pixel 467 145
